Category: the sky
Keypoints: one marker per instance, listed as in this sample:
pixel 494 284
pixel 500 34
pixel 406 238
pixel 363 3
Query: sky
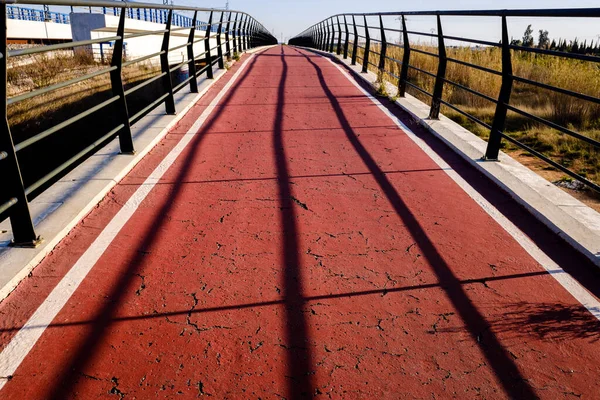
pixel 287 18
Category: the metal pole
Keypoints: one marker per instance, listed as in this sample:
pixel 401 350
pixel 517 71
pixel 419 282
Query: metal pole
pixel 116 80
pixel 20 218
pixel 365 67
pixel 438 89
pixel 164 63
pixel 495 140
pixel 405 61
pixel 227 44
pixel 332 43
pixel 234 33
pixel 219 46
pixel 339 43
pixel 346 42
pixel 355 43
pixel 191 57
pixel 383 46
pixel 209 70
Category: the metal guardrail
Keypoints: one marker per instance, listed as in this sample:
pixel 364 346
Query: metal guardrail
pixel 234 30
pixel 33 14
pixel 338 32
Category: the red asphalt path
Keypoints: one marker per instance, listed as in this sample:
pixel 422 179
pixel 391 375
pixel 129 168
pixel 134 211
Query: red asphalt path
pixel 302 245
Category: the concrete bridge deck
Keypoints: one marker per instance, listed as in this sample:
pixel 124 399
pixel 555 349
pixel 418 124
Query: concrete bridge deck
pixel 289 239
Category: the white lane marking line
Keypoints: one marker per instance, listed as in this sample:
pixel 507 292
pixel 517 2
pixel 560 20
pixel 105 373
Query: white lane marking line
pixel 564 279
pixel 21 344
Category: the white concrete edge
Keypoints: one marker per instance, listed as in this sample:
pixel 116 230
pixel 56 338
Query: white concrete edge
pixel 50 243
pixel 576 223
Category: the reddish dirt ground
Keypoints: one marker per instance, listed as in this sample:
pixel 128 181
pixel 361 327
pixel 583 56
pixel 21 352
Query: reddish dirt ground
pixel 302 246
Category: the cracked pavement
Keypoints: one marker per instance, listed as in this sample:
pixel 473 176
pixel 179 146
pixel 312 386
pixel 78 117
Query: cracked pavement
pixel 219 286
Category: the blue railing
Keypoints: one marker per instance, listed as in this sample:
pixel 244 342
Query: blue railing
pixel 32 14
pixel 149 15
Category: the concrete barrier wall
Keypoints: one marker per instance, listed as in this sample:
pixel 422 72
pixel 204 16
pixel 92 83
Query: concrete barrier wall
pixel 37 30
pixel 87 26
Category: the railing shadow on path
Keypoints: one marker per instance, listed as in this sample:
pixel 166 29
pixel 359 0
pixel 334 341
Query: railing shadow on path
pixel 498 358
pixel 569 259
pixel 89 346
pixel 299 358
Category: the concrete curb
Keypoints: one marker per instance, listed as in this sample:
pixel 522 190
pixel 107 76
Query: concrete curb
pixel 576 223
pixel 60 208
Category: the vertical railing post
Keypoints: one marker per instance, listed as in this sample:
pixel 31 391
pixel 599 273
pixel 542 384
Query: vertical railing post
pixel 245 36
pixel 227 44
pixel 219 45
pixel 495 140
pixel 251 38
pixel 20 218
pixel 347 41
pixel 365 67
pixel 321 36
pixel 383 51
pixel 405 60
pixel 234 33
pixel 327 36
pixel 438 89
pixel 240 33
pixel 339 43
pixel 209 70
pixel 355 42
pixel 191 57
pixel 116 80
pixel 164 63
pixel 332 43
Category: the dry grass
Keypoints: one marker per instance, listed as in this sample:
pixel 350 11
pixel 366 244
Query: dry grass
pixel 580 116
pixel 44 70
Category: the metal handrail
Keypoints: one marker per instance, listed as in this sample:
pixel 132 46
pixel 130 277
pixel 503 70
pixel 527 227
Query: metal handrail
pixel 238 28
pixel 322 35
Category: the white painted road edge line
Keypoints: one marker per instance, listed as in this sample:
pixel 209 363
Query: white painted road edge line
pixel 21 344
pixel 564 279
pixel 50 244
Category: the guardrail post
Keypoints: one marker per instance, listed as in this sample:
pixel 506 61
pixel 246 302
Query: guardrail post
pixel 209 70
pixel 227 44
pixel 347 41
pixel 234 33
pixel 219 46
pixel 339 43
pixel 321 36
pixel 405 61
pixel 191 58
pixel 332 43
pixel 365 67
pixel 245 33
pixel 355 43
pixel 327 35
pixel 164 63
pixel 495 140
pixel 383 51
pixel 240 33
pixel 20 218
pixel 116 80
pixel 438 89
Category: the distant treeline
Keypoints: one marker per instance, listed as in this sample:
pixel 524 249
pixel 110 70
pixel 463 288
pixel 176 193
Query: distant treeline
pixel 568 46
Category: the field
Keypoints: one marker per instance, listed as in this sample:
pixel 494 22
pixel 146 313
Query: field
pixel 580 116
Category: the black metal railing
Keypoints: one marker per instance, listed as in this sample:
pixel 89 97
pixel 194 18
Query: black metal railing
pixel 233 31
pixel 322 36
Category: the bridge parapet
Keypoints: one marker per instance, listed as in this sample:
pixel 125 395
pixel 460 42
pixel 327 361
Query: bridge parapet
pixel 195 47
pixel 365 39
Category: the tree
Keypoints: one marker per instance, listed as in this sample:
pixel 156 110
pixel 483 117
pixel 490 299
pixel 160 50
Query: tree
pixel 553 45
pixel 574 46
pixel 528 37
pixel 543 39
